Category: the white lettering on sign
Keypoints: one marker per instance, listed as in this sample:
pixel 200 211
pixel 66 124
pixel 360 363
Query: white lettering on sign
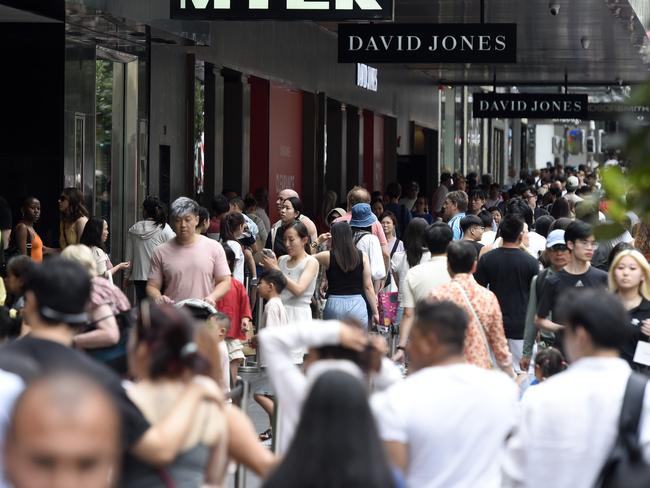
pixel 367 77
pixel 282 182
pixel 291 4
pixel 307 5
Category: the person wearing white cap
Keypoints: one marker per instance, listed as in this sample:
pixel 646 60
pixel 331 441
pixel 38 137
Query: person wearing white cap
pixel 572 184
pixel 558 255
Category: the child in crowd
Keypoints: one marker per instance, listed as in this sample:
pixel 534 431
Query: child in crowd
pixel 271 284
pixel 219 324
pixel 548 362
pixel 236 305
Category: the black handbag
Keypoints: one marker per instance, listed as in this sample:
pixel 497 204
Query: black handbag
pixel 625 466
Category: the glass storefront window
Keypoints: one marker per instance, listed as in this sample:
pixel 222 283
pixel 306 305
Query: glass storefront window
pixel 103 137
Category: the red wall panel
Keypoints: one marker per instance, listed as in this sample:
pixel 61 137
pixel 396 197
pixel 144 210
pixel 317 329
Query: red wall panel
pixel 259 144
pixel 285 142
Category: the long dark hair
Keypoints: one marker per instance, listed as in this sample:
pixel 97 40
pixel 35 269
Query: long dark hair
pixel 155 210
pixel 229 225
pixel 169 333
pixel 346 253
pixel 336 443
pixel 414 240
pixel 76 207
pixel 92 234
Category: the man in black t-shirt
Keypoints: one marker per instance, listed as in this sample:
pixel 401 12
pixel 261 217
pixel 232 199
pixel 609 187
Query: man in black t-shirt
pixel 507 271
pixel 577 273
pixel 56 297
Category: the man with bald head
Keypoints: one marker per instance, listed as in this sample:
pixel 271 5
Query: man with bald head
pixel 64 433
pixel 311 227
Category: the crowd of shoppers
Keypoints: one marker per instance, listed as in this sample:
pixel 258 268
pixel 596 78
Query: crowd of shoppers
pixel 522 334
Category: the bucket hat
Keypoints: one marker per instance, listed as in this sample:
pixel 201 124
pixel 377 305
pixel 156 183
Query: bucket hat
pixel 362 216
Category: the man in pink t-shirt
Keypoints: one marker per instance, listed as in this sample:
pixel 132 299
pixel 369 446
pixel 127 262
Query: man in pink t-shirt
pixel 190 265
pixel 359 194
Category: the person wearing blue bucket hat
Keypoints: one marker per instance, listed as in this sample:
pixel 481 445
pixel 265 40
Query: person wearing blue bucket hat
pixel 362 220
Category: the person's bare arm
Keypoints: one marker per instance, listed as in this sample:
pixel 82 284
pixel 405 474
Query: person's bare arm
pixel 153 292
pixel 222 287
pixel 161 443
pixel 6 235
pixel 21 238
pixel 398 454
pixel 547 324
pixel 243 445
pixel 323 258
pixel 79 225
pixel 307 276
pixel 404 331
pixel 371 296
pixel 106 333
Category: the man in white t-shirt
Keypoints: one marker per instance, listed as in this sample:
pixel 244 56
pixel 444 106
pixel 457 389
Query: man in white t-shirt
pixel 447 423
pixel 421 280
pixel 569 423
pixel 190 265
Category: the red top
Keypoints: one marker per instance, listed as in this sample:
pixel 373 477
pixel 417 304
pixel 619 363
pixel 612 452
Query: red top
pixel 235 304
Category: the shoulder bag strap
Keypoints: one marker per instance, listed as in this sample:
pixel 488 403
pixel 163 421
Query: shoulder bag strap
pixel 392 251
pixel 480 324
pixel 28 244
pixel 631 413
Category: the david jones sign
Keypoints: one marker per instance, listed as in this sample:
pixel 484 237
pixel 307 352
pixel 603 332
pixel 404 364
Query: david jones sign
pixel 427 43
pixel 282 9
pixel 529 105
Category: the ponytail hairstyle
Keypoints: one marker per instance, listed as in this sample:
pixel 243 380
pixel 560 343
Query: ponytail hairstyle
pixel 550 362
pixel 229 224
pixel 414 240
pixel 169 335
pixel 155 210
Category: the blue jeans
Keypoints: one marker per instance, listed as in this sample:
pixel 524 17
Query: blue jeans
pixel 346 306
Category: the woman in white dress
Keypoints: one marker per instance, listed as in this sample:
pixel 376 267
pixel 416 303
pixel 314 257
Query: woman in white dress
pixel 300 269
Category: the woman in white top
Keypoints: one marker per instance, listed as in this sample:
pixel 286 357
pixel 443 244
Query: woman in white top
pixel 94 236
pixel 300 269
pixel 143 237
pixel 389 223
pixel 232 228
pixel 415 253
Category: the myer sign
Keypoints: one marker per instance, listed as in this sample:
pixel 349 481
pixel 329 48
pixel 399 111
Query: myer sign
pixel 427 43
pixel 323 10
pixel 529 105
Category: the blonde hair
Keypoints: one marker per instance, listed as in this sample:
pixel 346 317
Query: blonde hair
pixel 644 287
pixel 82 255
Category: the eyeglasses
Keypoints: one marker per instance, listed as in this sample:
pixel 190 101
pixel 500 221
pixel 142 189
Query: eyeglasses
pixel 559 248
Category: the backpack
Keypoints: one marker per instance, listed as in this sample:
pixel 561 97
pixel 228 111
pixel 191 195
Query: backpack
pixel 625 466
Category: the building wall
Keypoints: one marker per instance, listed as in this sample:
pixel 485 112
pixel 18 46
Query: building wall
pixel 304 55
pixel 168 116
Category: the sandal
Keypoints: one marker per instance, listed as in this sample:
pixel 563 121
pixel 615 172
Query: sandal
pixel 266 435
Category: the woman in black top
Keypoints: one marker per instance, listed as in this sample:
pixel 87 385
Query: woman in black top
pixel 290 212
pixel 348 277
pixel 629 279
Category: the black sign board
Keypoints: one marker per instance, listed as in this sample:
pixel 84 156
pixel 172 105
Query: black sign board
pixel 529 105
pixel 321 10
pixel 428 43
pixel 614 111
